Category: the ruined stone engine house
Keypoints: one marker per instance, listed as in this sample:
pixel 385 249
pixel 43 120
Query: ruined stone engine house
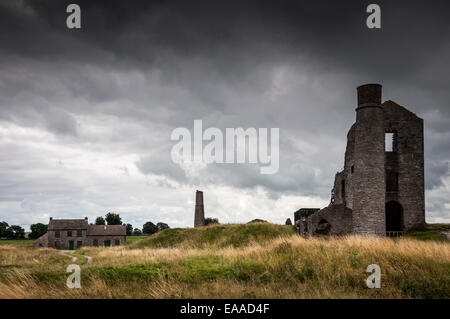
pixel 380 191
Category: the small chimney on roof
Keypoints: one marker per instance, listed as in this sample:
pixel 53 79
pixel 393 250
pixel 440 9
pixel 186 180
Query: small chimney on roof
pixel 51 218
pixel 85 218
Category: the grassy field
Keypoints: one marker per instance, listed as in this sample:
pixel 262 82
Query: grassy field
pixel 133 239
pixel 430 232
pixel 130 239
pixel 234 261
pixel 16 241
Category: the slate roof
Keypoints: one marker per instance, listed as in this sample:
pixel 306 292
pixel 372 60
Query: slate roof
pixel 106 230
pixel 67 224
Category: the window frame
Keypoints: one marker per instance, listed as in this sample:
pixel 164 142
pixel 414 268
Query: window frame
pixel 394 136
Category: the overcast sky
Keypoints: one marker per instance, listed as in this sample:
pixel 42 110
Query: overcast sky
pixel 86 114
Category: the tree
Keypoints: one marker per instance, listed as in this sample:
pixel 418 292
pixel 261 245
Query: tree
pixel 288 221
pixel 3 227
pixel 16 232
pixel 137 232
pixel 149 228
pixel 129 229
pixel 9 233
pixel 210 221
pixel 37 230
pixel 162 226
pixel 113 219
pixel 100 221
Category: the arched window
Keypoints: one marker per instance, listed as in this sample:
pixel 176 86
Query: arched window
pixel 323 228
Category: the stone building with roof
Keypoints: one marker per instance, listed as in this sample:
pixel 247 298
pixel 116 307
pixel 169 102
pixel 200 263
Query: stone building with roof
pixel 76 233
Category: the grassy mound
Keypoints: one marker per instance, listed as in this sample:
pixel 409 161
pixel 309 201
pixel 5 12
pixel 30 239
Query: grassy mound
pixel 429 232
pixel 235 235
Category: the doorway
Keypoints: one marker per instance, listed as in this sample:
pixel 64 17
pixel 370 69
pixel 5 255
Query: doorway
pixel 71 245
pixel 107 243
pixel 394 216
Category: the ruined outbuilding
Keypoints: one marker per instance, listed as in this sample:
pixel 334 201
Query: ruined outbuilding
pixel 380 191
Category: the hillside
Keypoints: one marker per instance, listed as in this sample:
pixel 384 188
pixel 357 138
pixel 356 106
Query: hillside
pixel 233 261
pixel 236 235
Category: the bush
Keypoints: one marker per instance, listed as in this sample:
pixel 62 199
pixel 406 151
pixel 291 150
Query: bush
pixel 210 221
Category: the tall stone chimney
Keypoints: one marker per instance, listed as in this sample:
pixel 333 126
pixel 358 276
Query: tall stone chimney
pixel 199 219
pixel 369 188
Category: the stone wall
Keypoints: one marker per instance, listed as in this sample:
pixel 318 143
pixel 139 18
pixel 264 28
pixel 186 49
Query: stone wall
pixel 408 161
pixel 337 215
pixel 349 167
pixel 64 239
pixel 41 242
pixel 338 196
pixel 101 240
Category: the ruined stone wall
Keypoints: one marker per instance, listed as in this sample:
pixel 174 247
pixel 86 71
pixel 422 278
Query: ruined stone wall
pixel 338 197
pixel 349 167
pixel 408 161
pixel 337 215
pixel 41 242
pixel 368 178
pixel 369 169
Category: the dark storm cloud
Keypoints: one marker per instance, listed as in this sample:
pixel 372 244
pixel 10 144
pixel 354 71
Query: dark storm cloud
pixel 288 64
pixel 229 42
pixel 140 31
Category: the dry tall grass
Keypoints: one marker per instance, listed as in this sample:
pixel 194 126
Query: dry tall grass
pixel 286 267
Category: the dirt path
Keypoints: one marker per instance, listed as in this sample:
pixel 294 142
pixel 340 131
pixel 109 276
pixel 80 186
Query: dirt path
pixel 68 253
pixel 89 259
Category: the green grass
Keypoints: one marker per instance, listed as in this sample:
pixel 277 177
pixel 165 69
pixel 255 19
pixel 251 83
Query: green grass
pixel 429 232
pixel 133 239
pixel 130 239
pixel 236 235
pixel 16 241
